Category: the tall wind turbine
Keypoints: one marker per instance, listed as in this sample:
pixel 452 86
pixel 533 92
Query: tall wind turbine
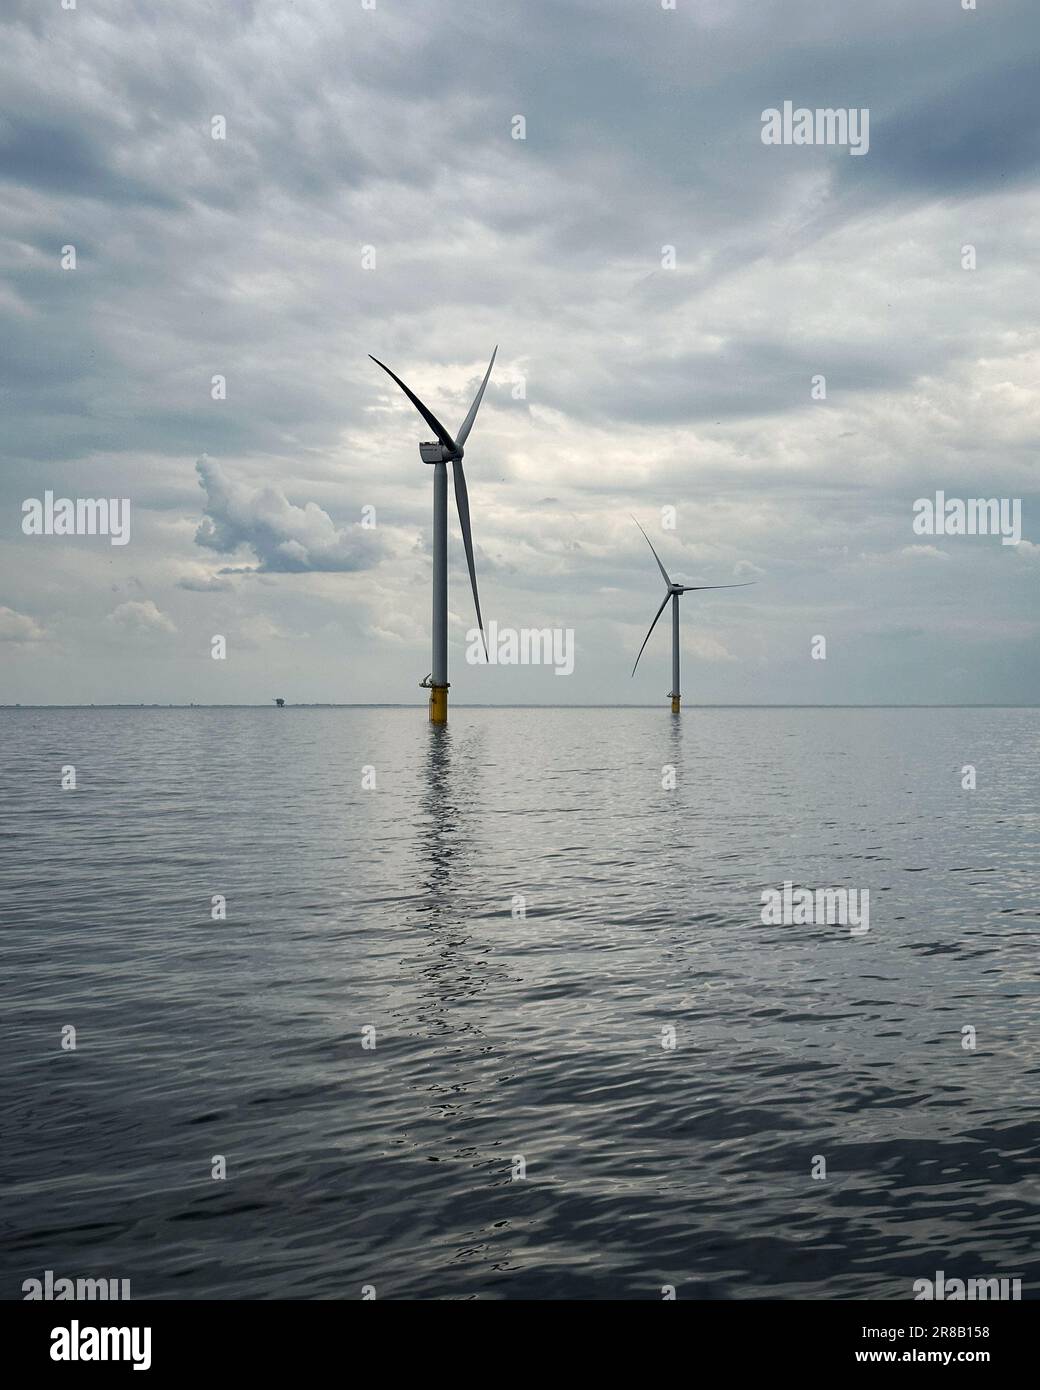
pixel 672 591
pixel 446 450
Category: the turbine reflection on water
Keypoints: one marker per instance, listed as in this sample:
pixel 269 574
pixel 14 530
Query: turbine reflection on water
pixel 445 838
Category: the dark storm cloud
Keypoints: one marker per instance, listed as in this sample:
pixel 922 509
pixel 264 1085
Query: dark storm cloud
pixel 742 379
pixel 68 160
pixel 987 136
pixel 652 107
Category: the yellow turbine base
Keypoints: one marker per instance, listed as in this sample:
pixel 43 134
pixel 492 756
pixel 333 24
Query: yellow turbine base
pixel 675 704
pixel 438 704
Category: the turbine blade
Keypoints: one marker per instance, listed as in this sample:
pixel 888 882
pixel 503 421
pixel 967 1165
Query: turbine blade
pixel 462 502
pixel 654 623
pixel 695 588
pixel 428 415
pixel 467 424
pixel 656 556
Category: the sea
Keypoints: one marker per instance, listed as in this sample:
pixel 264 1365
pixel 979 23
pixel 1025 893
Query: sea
pixel 328 1003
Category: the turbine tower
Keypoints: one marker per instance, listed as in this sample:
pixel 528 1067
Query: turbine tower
pixel 440 453
pixel 672 591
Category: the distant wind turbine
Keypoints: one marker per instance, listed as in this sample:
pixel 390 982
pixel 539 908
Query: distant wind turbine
pixel 440 454
pixel 672 592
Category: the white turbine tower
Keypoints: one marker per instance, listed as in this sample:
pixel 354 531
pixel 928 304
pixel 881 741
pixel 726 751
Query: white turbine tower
pixel 440 454
pixel 672 591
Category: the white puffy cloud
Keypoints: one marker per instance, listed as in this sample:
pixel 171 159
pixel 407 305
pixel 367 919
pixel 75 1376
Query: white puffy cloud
pixel 18 627
pixel 142 617
pixel 284 537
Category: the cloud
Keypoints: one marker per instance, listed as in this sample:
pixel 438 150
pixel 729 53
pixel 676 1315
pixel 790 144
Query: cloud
pixel 643 386
pixel 142 617
pixel 924 552
pixel 67 160
pixel 212 584
pixel 18 627
pixel 748 571
pixel 706 647
pixel 285 538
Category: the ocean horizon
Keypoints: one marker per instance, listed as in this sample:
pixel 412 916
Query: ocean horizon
pixel 463 704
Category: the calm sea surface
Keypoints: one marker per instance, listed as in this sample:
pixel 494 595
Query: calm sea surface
pixel 520 911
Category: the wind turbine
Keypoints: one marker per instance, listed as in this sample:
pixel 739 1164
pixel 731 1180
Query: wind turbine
pixel 672 592
pixel 446 450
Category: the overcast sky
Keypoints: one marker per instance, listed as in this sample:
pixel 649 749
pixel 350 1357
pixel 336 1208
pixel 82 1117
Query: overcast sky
pixel 622 386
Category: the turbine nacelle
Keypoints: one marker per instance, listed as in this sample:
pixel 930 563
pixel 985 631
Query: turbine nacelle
pixel 433 452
